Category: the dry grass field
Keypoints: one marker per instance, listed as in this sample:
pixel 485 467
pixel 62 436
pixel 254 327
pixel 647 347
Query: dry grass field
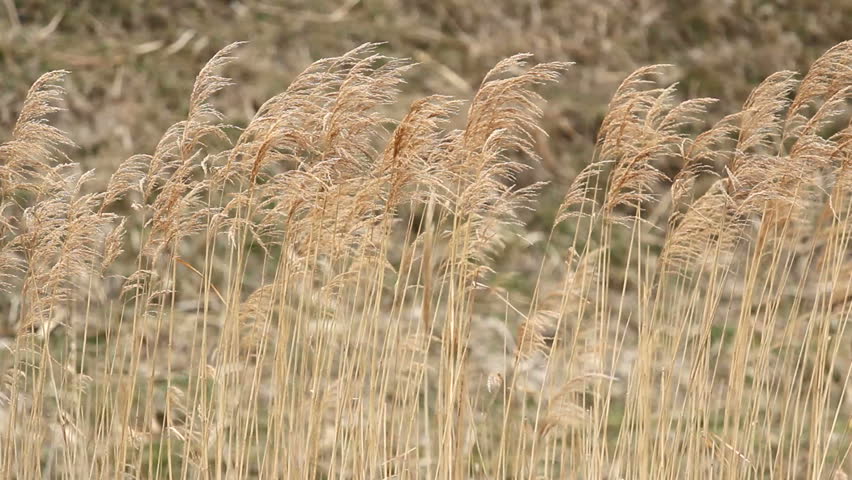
pixel 375 241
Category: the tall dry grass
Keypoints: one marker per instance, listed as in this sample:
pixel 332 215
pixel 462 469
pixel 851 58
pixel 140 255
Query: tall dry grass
pixel 311 296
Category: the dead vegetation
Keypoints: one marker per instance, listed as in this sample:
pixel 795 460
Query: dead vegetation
pixel 310 296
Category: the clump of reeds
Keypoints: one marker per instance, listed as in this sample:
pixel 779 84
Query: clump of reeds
pixel 314 299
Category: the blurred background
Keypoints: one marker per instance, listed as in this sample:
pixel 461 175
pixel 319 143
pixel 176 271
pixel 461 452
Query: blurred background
pixel 133 61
